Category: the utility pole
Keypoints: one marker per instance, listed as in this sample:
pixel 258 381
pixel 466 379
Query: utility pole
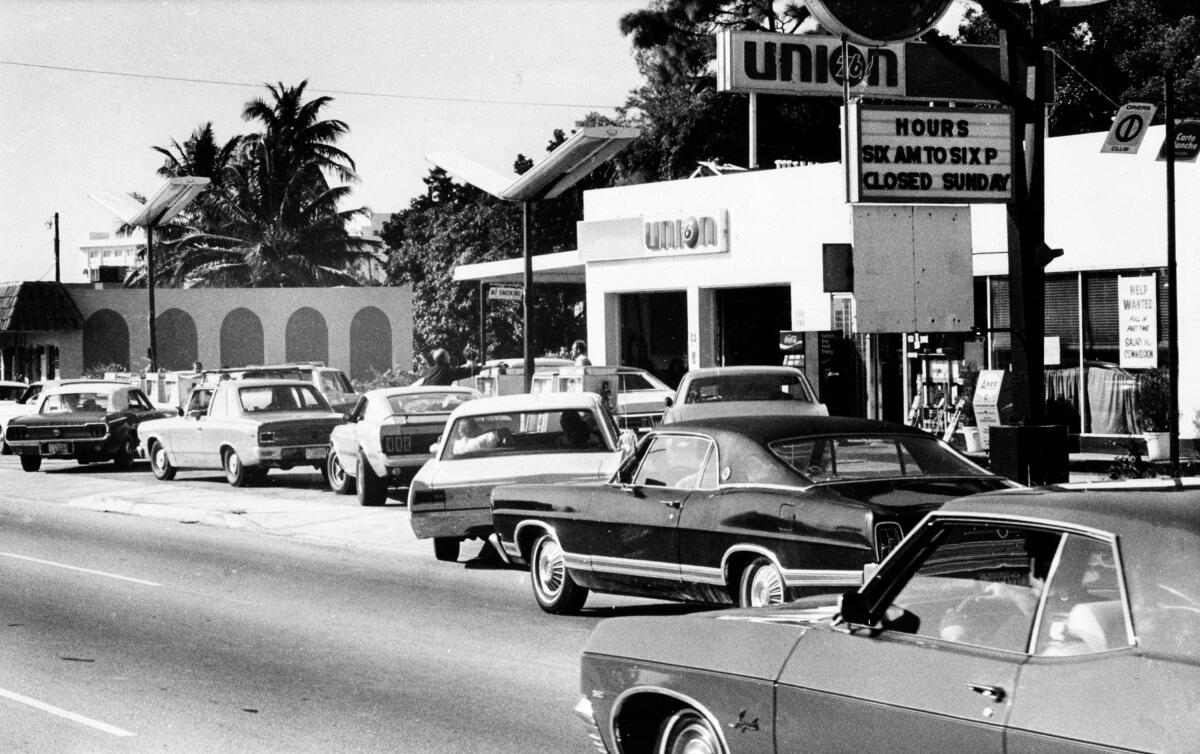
pixel 57 274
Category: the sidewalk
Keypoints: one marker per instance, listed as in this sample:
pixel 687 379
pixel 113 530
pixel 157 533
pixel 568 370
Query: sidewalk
pixel 323 518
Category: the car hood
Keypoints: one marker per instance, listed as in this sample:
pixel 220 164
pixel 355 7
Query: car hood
pixel 746 642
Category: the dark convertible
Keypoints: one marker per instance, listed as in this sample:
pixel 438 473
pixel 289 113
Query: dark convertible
pixel 742 510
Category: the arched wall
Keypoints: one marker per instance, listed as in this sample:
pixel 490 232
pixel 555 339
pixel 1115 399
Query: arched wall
pixel 105 340
pixel 241 338
pixel 306 337
pixel 370 343
pixel 176 339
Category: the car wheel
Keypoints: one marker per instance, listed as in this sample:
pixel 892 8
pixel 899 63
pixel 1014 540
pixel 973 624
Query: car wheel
pixel 761 584
pixel 236 472
pixel 446 548
pixel 31 463
pixel 339 481
pixel 159 463
pixel 123 458
pixel 687 732
pixel 553 588
pixel 371 489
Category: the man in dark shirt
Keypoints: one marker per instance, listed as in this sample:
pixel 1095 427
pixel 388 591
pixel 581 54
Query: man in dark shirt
pixel 441 373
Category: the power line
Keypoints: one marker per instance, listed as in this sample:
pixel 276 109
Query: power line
pixel 347 92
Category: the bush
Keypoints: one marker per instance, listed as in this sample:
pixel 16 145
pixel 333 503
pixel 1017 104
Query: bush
pixel 394 377
pixel 1154 400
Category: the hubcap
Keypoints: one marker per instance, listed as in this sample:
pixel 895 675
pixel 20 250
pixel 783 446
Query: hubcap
pixel 549 569
pixel 234 464
pixel 336 472
pixel 160 458
pixel 766 587
pixel 694 738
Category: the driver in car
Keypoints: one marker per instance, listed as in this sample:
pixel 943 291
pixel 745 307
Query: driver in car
pixel 469 437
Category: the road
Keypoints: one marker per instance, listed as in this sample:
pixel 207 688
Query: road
pixel 124 633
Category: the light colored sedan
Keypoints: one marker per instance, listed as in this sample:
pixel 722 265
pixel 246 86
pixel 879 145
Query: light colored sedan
pixel 387 438
pixel 246 428
pixel 743 391
pixel 543 437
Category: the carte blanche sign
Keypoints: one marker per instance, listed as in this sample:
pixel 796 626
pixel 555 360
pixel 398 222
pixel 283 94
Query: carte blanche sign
pixel 930 154
pixel 1138 321
pixel 684 233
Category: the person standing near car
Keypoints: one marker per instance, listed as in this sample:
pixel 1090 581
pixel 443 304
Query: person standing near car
pixel 441 373
pixel 579 354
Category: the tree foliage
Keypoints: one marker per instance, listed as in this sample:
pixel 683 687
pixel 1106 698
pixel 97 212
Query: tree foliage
pixel 269 217
pixel 454 224
pixel 1113 53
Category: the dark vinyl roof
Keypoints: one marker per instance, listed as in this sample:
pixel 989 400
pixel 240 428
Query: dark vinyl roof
pixel 37 306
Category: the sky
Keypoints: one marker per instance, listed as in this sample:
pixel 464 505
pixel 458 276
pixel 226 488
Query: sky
pixel 89 87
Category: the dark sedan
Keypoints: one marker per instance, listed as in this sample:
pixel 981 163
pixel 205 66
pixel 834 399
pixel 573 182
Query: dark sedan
pixel 746 510
pixel 86 421
pixel 1020 622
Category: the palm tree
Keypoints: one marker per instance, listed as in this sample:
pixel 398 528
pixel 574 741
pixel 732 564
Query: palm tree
pixel 293 237
pixel 269 217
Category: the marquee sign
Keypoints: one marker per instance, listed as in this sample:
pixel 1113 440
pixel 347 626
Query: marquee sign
pixel 930 155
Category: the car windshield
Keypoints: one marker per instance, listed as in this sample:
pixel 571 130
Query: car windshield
pixel 281 398
pixel 65 403
pixel 633 381
pixel 841 458
pixel 746 387
pixel 428 403
pixel 525 432
pixel 333 381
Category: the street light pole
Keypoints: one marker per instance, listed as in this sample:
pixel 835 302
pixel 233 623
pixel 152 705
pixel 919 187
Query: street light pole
pixel 152 352
pixel 57 275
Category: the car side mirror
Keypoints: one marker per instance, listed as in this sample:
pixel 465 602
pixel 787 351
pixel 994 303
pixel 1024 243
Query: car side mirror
pixel 854 608
pixel 669 401
pixel 434 448
pixel 349 417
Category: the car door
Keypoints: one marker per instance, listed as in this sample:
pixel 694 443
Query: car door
pixel 631 539
pixel 938 672
pixel 183 438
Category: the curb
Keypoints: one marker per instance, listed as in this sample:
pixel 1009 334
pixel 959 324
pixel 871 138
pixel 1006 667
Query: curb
pixel 176 513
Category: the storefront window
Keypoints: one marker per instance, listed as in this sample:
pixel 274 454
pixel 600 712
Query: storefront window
pixel 654 333
pixel 1086 387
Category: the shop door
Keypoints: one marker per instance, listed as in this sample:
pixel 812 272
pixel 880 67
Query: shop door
pixel 748 324
pixel 654 333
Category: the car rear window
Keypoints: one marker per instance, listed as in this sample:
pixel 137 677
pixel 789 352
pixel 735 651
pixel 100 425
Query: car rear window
pixel 747 387
pixel 428 403
pixel 840 458
pixel 73 402
pixel 281 398
pixel 524 432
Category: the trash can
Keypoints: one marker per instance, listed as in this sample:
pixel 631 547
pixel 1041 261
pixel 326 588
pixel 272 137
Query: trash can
pixel 1030 455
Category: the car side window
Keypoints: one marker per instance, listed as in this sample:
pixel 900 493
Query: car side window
pixel 673 461
pixel 979 584
pixel 139 402
pixel 1084 609
pixel 199 401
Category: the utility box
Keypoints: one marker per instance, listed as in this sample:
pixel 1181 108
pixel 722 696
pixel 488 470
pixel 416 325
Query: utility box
pixel 1030 455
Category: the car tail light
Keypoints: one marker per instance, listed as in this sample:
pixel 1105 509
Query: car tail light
pixel 887 535
pixel 97 430
pixel 429 496
pixel 397 444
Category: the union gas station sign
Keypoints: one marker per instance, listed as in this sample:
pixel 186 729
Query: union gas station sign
pixel 929 154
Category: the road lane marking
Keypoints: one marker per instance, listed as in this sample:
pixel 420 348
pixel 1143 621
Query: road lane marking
pixel 81 570
pixel 67 714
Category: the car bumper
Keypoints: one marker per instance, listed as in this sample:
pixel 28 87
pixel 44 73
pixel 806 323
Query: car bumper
pixel 397 469
pixel 468 522
pixel 89 449
pixel 286 455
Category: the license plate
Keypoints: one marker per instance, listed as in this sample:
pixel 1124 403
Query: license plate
pixel 315 453
pixel 58 448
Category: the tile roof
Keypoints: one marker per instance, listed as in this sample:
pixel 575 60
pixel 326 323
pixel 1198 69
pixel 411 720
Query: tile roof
pixel 37 306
